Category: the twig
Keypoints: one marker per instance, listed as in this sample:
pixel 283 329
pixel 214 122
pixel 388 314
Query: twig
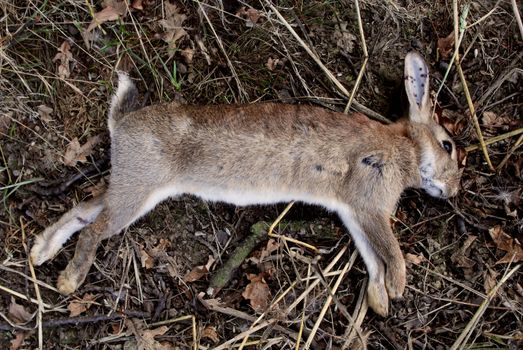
pixel 459 27
pixel 212 305
pixel 465 335
pixel 61 185
pixel 21 296
pixel 518 17
pixel 180 319
pixel 484 17
pixel 75 321
pixel 358 315
pixel 36 287
pixel 495 139
pixel 325 70
pixel 43 284
pixel 289 239
pixel 365 58
pixel 518 143
pixel 303 317
pixel 228 343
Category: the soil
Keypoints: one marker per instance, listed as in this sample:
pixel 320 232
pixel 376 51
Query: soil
pixel 148 286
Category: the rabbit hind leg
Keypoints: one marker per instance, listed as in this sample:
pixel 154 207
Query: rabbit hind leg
pixel 49 242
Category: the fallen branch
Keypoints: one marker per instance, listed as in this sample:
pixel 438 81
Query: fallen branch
pixel 221 277
pixel 76 321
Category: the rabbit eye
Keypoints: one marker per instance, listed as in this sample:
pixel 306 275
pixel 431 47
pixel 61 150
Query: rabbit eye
pixel 447 145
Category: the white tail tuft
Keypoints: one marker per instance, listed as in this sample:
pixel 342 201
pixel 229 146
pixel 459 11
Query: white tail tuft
pixel 123 101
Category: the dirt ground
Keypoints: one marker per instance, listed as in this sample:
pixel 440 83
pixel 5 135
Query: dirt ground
pixel 148 286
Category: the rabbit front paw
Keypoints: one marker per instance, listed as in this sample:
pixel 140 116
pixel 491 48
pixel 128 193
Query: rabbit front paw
pixel 377 298
pixel 396 279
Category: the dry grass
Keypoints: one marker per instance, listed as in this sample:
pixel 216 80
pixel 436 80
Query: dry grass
pixel 460 293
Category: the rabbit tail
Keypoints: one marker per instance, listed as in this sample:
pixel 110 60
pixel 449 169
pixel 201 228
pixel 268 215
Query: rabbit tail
pixel 125 100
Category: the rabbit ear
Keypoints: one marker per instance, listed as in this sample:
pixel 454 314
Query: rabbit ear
pixel 417 88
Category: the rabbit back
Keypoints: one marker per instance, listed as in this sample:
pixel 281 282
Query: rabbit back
pixel 265 153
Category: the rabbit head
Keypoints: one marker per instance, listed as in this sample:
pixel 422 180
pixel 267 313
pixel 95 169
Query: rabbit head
pixel 438 166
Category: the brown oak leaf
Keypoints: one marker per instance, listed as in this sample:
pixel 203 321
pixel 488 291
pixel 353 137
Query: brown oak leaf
pixel 257 292
pixel 77 307
pixel 17 313
pixel 113 10
pixel 173 26
pixel 511 246
pixel 76 153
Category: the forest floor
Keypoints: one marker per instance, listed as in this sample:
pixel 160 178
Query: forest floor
pixel 148 286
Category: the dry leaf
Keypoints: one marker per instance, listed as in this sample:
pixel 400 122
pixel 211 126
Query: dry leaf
pixel 460 258
pixel 270 247
pixel 76 153
pixel 17 313
pixel 210 333
pixel 508 244
pixel 195 274
pixel 146 260
pixel 146 339
pixel 445 45
pixel 65 57
pixel 452 121
pixel 112 11
pixel 173 26
pixel 344 38
pixel 160 249
pixel 76 307
pixel 272 63
pixel 260 255
pixel 5 121
pixel 210 262
pixel 257 292
pixel 18 340
pixel 188 55
pixel 491 119
pixel 137 4
pixel 250 15
pixel 414 259
pixel 45 113
pixel 489 280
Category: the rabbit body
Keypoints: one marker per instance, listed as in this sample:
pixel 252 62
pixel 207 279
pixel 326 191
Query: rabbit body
pixel 261 154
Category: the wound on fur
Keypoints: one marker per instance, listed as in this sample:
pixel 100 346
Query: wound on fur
pixel 375 162
pixel 82 221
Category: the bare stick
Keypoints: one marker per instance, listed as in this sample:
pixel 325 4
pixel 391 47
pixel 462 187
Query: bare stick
pixel 510 152
pixel 36 287
pixel 180 319
pixel 518 17
pixel 365 58
pixel 458 28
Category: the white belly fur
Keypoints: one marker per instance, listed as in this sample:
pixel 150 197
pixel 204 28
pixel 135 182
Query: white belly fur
pixel 238 198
